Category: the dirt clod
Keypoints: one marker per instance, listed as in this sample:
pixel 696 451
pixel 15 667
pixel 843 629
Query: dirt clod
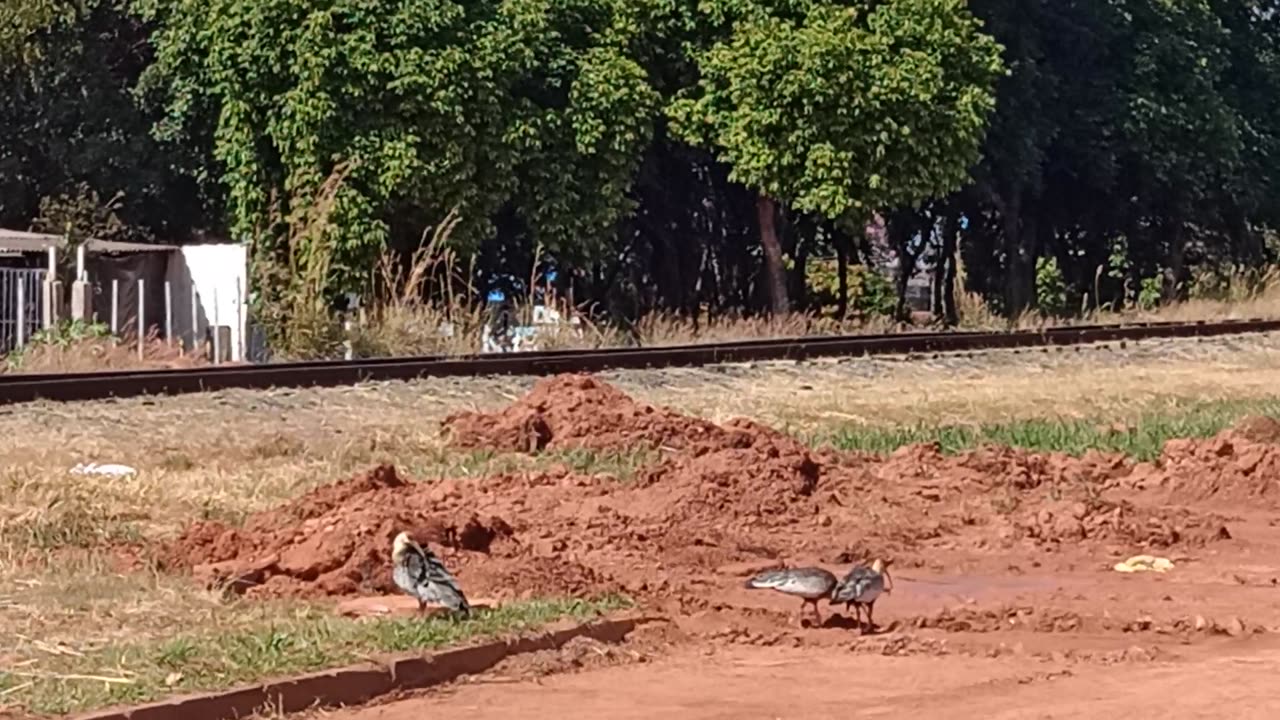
pixel 575 411
pixel 1240 464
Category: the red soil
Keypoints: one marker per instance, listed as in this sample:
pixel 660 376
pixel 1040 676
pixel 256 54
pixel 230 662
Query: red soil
pixel 1239 465
pixel 1004 598
pixel 723 494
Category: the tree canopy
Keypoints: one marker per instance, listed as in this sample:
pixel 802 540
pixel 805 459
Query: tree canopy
pixel 665 154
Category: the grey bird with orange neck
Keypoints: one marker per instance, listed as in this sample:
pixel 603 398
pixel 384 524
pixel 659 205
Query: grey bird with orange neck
pixel 417 571
pixel 861 587
pixel 810 584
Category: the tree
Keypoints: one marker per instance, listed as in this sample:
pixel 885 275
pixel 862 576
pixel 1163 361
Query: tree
pixel 69 125
pixel 527 116
pixel 835 110
pixel 280 92
pixel 1142 124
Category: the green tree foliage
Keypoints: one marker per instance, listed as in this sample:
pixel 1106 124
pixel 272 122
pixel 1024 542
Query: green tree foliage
pixel 1148 120
pixel 837 109
pixel 69 126
pixel 843 109
pixel 664 153
pixel 524 111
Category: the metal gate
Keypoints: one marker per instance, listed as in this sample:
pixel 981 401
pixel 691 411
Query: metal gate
pixel 30 280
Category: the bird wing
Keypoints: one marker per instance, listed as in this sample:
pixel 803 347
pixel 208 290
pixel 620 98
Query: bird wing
pixel 853 585
pixel 769 579
pixel 432 581
pixel 804 582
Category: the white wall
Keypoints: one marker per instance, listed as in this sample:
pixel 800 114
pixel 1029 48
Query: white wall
pixel 215 271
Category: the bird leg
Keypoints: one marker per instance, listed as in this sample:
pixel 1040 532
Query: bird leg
pixel 870 623
pixel 857 613
pixel 422 606
pixel 816 612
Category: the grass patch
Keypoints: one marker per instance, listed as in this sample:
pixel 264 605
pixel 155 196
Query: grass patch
pixel 59 682
pixel 1142 437
pixel 622 463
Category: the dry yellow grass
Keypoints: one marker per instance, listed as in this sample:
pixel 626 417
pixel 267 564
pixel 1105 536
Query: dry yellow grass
pixel 407 326
pixel 94 353
pixel 223 455
pixel 403 324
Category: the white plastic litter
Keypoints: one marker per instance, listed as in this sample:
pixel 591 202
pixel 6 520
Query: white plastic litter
pixel 1144 563
pixel 113 470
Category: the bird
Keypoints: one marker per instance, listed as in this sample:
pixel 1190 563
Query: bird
pixel 861 587
pixel 417 571
pixel 809 583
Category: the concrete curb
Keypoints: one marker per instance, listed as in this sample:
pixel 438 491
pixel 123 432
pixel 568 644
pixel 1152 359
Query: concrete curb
pixel 357 684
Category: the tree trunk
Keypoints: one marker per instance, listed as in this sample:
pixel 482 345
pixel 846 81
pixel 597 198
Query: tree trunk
pixel 900 230
pixel 1014 301
pixel 1019 247
pixel 775 273
pixel 950 242
pixel 935 284
pixel 842 275
pixel 799 275
pixel 1177 262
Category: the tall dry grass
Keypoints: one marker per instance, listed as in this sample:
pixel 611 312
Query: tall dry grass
pixel 1231 293
pixel 77 347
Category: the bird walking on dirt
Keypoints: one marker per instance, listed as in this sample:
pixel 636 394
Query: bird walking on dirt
pixel 861 587
pixel 809 583
pixel 417 571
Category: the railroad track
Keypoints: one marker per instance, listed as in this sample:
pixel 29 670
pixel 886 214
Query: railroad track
pixel 331 373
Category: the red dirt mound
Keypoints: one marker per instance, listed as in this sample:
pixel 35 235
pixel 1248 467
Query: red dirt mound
pixel 336 540
pixel 575 411
pixel 1240 464
pixel 1095 519
pixel 1045 498
pixel 747 472
pixel 722 495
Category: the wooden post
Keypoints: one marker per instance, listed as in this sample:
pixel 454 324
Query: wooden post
pixel 241 351
pixel 217 341
pixel 21 335
pixel 195 318
pixel 142 318
pixel 80 273
pixel 115 310
pixel 49 293
pixel 168 314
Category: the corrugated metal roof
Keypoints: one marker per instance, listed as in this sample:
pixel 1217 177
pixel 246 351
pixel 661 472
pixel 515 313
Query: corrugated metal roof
pixel 22 241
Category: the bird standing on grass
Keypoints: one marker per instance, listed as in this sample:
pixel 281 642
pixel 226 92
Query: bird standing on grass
pixel 417 571
pixel 809 583
pixel 861 587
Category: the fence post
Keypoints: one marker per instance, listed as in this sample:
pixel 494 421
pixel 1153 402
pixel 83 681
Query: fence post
pixel 21 335
pixel 81 293
pixel 142 315
pixel 195 317
pixel 217 344
pixel 241 351
pixel 115 310
pixel 168 314
pixel 51 292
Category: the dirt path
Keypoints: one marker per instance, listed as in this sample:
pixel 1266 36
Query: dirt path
pixel 747 659
pixel 1234 680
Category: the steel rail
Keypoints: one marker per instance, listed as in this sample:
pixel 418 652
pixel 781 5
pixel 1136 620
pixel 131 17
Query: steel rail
pixel 18 388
